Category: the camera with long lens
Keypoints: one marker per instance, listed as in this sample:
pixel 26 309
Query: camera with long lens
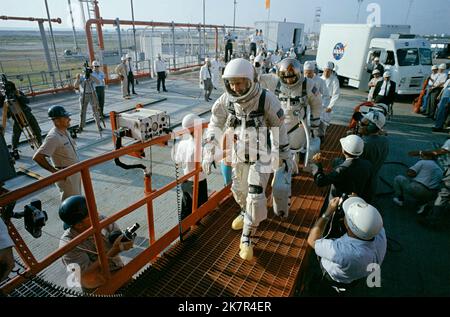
pixel 34 217
pixel 87 71
pixel 129 234
pixel 7 88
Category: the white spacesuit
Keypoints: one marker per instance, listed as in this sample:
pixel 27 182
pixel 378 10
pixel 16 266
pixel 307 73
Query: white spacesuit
pixel 250 112
pixel 267 81
pixel 301 101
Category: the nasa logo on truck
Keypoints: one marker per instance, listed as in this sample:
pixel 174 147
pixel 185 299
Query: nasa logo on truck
pixel 338 51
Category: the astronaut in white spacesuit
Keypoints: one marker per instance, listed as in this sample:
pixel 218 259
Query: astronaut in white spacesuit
pixel 250 112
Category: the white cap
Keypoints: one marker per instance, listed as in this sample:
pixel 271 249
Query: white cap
pixel 309 65
pixel 434 67
pixel 387 74
pixel 123 58
pixel 352 144
pixel 376 59
pixel 190 120
pixel 443 66
pixel 375 71
pixel 329 65
pixel 95 63
pixel 362 219
pixel 377 118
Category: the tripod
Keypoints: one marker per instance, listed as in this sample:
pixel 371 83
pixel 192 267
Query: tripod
pixel 95 107
pixel 20 118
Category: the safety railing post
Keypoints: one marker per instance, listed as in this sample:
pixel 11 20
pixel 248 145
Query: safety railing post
pixel 173 46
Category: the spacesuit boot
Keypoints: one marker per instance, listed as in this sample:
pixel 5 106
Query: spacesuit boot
pixel 238 222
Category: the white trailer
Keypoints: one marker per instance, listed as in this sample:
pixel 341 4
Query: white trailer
pixel 353 46
pixel 282 35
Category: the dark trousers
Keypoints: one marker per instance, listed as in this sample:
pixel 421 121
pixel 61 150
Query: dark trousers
pixel 228 52
pixel 186 203
pixel 161 79
pixel 208 86
pixel 130 82
pixel 33 125
pixel 432 96
pixel 253 49
pixel 100 91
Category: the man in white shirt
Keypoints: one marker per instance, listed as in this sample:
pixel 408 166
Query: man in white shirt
pixel 435 90
pixel 422 183
pixel 347 259
pixel 328 101
pixel 373 82
pixel 205 77
pixel 184 155
pixel 160 69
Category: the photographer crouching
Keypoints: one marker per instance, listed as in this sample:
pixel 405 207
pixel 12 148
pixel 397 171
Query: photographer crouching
pixel 347 260
pixel 84 257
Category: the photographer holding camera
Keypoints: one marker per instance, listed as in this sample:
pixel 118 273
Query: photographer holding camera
pixel 85 84
pixel 345 261
pixel 10 93
pixel 74 213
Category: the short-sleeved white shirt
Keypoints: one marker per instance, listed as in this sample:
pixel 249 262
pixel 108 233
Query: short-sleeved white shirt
pixel 428 173
pixel 346 259
pixel 184 155
pixel 60 147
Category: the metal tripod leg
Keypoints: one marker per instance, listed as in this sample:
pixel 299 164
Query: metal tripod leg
pixel 21 119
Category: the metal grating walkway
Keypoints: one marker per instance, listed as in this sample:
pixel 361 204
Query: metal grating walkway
pixel 207 262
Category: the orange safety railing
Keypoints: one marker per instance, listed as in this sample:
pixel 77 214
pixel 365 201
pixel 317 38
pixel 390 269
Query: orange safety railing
pixel 118 278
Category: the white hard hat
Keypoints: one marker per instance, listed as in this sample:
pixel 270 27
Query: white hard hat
pixel 377 118
pixel 329 65
pixel 352 144
pixel 442 66
pixel 387 74
pixel 190 119
pixel 95 63
pixel 381 107
pixel 239 68
pixel 375 71
pixel 434 67
pixel 123 58
pixel 363 219
pixel 376 59
pixel 309 65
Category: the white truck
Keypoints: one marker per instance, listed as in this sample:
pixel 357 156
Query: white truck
pixel 282 35
pixel 352 48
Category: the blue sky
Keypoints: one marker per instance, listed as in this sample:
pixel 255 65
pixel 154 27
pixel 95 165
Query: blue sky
pixel 426 17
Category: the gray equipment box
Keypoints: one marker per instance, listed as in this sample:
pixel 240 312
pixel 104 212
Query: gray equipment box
pixel 144 124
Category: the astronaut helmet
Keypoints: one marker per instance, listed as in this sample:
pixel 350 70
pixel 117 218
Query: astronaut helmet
pixel 290 72
pixel 240 80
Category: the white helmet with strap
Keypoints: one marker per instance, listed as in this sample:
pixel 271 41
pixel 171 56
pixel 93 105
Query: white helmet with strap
pixel 240 68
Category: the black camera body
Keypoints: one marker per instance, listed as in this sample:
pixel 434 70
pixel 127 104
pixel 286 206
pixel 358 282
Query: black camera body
pixel 34 217
pixel 128 234
pixel 87 70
